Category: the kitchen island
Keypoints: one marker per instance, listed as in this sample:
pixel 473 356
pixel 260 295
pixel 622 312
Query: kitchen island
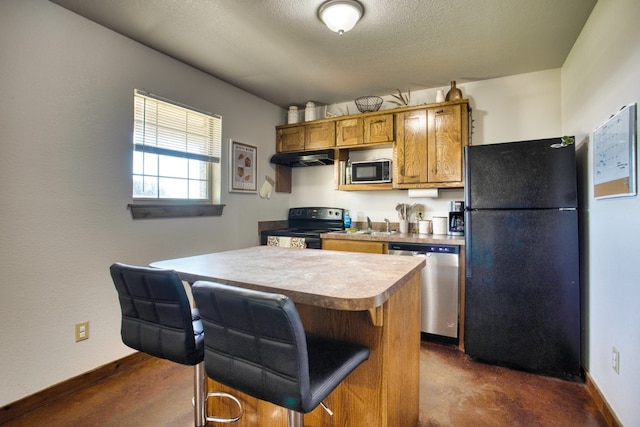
pixel 369 299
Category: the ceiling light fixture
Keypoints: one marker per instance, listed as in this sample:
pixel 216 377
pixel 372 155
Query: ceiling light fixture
pixel 340 15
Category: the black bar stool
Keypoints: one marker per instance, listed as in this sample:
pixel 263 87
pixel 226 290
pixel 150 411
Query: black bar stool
pixel 255 343
pixel 157 319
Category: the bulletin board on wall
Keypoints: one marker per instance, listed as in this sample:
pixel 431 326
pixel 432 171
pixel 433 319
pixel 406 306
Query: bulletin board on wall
pixel 614 155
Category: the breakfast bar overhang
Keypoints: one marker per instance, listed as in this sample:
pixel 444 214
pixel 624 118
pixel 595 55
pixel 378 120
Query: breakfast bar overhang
pixel 369 299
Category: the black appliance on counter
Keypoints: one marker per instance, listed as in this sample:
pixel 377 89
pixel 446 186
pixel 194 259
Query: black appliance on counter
pixel 522 291
pixel 456 218
pixel 309 223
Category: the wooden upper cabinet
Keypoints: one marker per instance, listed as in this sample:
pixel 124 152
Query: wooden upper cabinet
pixel 349 132
pixel 365 130
pixel 378 128
pixel 448 130
pixel 427 142
pixel 410 149
pixel 428 148
pixel 308 136
pixel 290 138
pixel 320 135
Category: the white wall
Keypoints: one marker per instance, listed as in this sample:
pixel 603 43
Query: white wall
pixel 66 96
pixel 600 76
pixel 514 108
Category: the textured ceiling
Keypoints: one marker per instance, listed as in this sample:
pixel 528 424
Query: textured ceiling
pixel 280 51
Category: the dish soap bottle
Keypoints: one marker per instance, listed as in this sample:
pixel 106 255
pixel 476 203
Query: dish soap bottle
pixel 347 220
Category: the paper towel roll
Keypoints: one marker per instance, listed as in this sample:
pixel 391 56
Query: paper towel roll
pixel 423 192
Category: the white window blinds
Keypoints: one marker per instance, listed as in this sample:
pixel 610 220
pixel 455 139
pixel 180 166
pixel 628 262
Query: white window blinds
pixel 166 128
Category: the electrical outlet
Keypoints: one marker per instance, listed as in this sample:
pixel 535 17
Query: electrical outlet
pixel 82 331
pixel 615 360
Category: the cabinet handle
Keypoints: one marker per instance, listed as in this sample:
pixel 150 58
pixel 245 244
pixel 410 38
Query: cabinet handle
pixel 439 111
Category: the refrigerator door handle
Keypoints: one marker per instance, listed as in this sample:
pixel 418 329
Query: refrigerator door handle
pixel 467 244
pixel 467 190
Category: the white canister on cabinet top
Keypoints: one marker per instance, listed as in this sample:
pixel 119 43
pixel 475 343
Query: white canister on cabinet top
pixel 310 112
pixel 292 117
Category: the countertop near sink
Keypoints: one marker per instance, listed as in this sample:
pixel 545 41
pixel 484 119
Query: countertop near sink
pixel 396 237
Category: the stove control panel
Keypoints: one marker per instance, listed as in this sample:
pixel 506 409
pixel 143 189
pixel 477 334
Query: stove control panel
pixel 316 213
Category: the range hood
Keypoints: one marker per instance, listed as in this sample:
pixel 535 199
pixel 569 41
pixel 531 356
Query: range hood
pixel 294 160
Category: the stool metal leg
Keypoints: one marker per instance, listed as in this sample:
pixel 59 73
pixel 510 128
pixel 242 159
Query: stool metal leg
pixel 201 397
pixel 199 393
pixel 225 419
pixel 295 419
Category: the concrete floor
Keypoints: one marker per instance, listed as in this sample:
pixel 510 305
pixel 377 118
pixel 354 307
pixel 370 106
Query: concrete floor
pixel 454 391
pixel 457 391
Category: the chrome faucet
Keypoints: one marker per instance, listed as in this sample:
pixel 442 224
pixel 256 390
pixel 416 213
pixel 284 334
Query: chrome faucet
pixel 369 224
pixel 388 224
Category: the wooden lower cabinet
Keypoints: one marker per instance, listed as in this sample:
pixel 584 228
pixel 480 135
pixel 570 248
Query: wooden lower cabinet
pixel 356 246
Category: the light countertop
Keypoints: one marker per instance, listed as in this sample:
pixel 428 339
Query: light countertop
pixel 330 279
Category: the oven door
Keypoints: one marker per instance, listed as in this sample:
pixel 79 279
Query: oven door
pixel 312 239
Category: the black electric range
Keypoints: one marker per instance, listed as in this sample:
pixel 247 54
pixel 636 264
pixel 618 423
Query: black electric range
pixel 309 223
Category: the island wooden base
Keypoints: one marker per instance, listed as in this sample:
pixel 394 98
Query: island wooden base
pixel 382 392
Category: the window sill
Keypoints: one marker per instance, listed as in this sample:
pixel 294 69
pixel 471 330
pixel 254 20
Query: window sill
pixel 175 210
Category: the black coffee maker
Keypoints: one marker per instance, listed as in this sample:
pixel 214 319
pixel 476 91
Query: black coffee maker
pixel 456 218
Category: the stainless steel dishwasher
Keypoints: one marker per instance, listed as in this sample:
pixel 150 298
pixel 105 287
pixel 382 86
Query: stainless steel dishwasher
pixel 440 285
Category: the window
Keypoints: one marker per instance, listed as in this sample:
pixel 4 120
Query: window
pixel 176 152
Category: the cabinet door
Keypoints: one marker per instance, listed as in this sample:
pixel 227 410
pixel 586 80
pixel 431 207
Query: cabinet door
pixel 410 148
pixel 378 128
pixel 444 144
pixel 320 135
pixel 290 139
pixel 349 132
pixel 355 246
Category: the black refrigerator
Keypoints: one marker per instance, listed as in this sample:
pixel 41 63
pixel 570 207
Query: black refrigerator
pixel 522 295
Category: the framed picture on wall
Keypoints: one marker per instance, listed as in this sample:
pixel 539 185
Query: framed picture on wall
pixel 243 160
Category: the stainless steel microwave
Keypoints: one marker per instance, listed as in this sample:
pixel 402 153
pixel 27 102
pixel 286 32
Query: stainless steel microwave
pixel 370 172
